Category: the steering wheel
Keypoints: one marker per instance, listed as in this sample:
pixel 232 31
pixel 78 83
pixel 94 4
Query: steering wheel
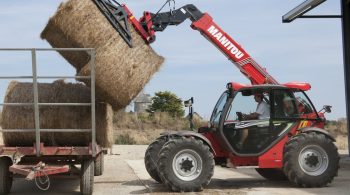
pixel 239 116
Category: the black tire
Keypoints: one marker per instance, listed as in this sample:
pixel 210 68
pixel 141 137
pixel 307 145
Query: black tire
pixel 5 175
pixel 99 164
pixel 87 177
pixel 272 174
pixel 199 162
pixel 152 156
pixel 311 160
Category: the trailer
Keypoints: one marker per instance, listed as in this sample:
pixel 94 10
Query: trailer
pixel 39 162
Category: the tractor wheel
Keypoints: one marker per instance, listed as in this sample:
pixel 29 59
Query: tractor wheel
pixel 5 175
pixel 151 158
pixel 87 177
pixel 311 160
pixel 185 164
pixel 99 164
pixel 272 174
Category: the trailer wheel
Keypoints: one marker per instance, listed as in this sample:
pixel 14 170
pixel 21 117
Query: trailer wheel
pixel 152 156
pixel 87 177
pixel 5 175
pixel 311 160
pixel 186 164
pixel 272 174
pixel 99 164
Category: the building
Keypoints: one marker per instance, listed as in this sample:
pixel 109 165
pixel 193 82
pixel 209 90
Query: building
pixel 142 102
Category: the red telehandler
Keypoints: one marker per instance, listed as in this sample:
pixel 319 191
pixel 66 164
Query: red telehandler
pixel 288 144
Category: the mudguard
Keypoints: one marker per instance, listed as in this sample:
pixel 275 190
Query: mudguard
pixel 318 130
pixel 188 134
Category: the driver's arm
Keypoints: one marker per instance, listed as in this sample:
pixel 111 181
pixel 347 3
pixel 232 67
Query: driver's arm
pixel 251 116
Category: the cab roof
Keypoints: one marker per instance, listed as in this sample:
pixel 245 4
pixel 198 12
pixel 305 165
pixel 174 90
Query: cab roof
pixel 291 85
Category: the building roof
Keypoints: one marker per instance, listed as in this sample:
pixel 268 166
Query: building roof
pixel 143 98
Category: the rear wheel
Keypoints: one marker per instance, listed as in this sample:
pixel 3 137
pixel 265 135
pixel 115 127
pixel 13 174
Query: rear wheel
pixel 272 174
pixel 99 164
pixel 151 158
pixel 311 160
pixel 87 177
pixel 5 176
pixel 185 165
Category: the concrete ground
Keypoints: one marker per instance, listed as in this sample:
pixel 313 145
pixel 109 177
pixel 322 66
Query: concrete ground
pixel 125 174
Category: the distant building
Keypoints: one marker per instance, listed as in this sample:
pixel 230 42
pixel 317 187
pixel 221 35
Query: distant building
pixel 142 102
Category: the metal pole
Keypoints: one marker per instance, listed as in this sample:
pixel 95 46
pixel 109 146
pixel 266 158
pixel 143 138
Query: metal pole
pixel 345 8
pixel 36 101
pixel 93 108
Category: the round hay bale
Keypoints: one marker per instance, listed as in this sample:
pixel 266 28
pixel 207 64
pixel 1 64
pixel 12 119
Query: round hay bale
pixel 119 84
pixel 121 72
pixel 55 117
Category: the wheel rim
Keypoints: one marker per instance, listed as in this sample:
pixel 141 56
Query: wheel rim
pixel 187 165
pixel 313 160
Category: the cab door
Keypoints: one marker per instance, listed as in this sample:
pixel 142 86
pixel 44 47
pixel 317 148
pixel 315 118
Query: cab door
pixel 253 137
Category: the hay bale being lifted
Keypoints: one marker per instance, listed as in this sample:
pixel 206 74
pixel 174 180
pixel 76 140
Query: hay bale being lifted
pixel 55 117
pixel 121 72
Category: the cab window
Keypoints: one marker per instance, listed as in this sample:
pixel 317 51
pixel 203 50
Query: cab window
pixel 285 104
pixel 215 117
pixel 304 106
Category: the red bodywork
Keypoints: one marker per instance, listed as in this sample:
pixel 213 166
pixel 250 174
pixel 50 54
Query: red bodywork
pixel 252 70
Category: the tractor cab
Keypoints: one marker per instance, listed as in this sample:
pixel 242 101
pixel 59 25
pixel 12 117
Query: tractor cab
pixel 250 120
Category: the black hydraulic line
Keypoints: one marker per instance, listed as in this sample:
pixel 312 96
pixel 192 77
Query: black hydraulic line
pixel 345 9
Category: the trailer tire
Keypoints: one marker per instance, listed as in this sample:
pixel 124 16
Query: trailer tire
pixel 186 164
pixel 152 157
pixel 87 177
pixel 272 174
pixel 6 177
pixel 99 164
pixel 311 160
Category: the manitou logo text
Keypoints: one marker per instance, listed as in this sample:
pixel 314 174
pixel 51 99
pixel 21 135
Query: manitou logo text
pixel 225 42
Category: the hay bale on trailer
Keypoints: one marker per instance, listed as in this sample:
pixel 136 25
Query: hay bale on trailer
pixel 55 117
pixel 121 72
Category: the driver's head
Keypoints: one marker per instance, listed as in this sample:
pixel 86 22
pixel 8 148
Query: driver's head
pixel 258 97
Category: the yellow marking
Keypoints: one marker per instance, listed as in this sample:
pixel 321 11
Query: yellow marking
pixel 132 17
pixel 303 124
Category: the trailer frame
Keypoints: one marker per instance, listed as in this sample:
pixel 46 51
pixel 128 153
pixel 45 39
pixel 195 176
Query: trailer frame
pixel 60 159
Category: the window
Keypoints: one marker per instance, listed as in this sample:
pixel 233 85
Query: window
pixel 303 104
pixel 245 103
pixel 215 117
pixel 291 104
pixel 285 104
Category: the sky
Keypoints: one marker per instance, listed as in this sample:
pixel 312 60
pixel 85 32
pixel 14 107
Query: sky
pixel 307 50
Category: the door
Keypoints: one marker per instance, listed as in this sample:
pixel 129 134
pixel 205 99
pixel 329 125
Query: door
pixel 251 126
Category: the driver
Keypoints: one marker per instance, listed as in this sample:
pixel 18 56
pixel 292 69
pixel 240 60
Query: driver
pixel 262 109
pixel 262 112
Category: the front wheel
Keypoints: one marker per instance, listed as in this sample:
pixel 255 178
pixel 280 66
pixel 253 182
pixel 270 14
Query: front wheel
pixel 186 164
pixel 311 160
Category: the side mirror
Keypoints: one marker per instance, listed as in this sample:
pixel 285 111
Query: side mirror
pixel 327 108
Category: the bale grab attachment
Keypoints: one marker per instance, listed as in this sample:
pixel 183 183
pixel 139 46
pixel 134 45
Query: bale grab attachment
pixel 117 16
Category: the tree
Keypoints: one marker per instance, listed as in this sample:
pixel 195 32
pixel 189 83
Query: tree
pixel 167 102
